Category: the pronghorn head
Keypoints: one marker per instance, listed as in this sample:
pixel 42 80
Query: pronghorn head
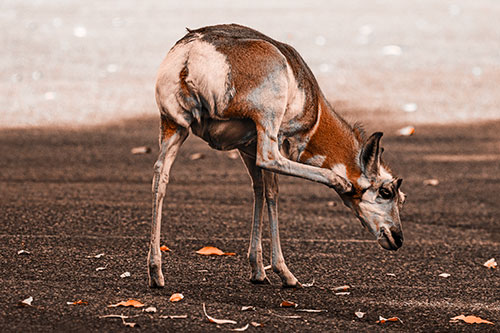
pixel 376 198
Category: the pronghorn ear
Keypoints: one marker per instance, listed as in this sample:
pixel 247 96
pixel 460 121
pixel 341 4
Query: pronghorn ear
pixel 399 181
pixel 370 155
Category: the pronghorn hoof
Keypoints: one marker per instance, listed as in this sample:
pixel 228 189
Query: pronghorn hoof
pixel 259 281
pixel 292 284
pixel 156 281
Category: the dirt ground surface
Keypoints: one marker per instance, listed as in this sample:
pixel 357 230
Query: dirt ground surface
pixel 67 195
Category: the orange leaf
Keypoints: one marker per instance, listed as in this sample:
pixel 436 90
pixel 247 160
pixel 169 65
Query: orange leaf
pixel 176 297
pixel 131 302
pixel 164 248
pixel 210 250
pixel 491 263
pixel 288 304
pixel 79 302
pixel 470 320
pixel 383 320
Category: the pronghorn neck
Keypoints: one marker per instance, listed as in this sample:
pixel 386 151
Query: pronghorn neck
pixel 334 144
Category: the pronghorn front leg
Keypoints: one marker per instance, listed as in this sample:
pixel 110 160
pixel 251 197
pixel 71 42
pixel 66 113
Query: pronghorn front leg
pixel 255 248
pixel 171 138
pixel 270 158
pixel 277 259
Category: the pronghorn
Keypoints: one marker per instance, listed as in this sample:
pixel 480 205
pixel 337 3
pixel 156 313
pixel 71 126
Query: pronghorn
pixel 239 89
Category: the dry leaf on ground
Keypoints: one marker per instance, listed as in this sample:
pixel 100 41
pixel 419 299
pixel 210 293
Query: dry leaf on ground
pixel 490 263
pixel 311 310
pixel 382 320
pixel 256 324
pixel 174 316
pixel 470 320
pixel 343 293
pixel 176 297
pixel 150 309
pixel 196 156
pixel 79 302
pixel 23 252
pixel 100 269
pixel 359 314
pixel 406 131
pixel 341 288
pixel 240 329
pixel 210 250
pixel 140 150
pixel 26 302
pixel 248 308
pixel 288 304
pixel 122 317
pixel 164 248
pixel 307 285
pixel 130 302
pixel 431 182
pixel 217 321
pixel 124 275
pixel 445 275
pixel 97 256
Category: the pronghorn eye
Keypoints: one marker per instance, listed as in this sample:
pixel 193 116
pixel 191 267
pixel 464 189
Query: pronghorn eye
pixel 385 193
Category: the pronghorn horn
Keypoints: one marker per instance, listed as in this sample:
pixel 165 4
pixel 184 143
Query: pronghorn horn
pixel 370 156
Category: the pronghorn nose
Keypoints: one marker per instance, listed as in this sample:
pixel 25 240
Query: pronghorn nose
pixel 397 235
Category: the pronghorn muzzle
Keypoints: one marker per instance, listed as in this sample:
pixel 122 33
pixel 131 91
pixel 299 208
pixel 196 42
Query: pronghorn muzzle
pixel 390 239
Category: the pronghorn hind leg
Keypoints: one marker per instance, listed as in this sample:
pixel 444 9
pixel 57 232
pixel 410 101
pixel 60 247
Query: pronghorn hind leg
pixel 277 259
pixel 258 274
pixel 171 138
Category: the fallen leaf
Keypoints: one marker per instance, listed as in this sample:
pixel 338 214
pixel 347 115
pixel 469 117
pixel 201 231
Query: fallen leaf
pixel 124 275
pixel 100 269
pixel 307 285
pixel 23 252
pixel 431 182
pixel 470 320
pixel 122 317
pixel 210 250
pixel 256 324
pixel 97 256
pixel 406 131
pixel 26 302
pixel 343 293
pixel 164 248
pixel 248 308
pixel 311 310
pixel 288 304
pixel 359 314
pixel 79 302
pixel 240 329
pixel 445 275
pixel 391 274
pixel 150 309
pixel 131 302
pixel 217 321
pixel 140 150
pixel 342 288
pixel 176 297
pixel 174 316
pixel 196 156
pixel 382 320
pixel 490 263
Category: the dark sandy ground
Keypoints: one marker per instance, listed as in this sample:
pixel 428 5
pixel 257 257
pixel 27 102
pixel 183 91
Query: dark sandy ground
pixel 68 195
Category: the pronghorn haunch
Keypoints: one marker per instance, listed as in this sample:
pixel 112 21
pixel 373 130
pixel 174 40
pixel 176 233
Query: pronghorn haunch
pixel 239 89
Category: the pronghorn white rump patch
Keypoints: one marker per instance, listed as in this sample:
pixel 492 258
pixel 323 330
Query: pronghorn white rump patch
pixel 296 98
pixel 340 170
pixel 208 72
